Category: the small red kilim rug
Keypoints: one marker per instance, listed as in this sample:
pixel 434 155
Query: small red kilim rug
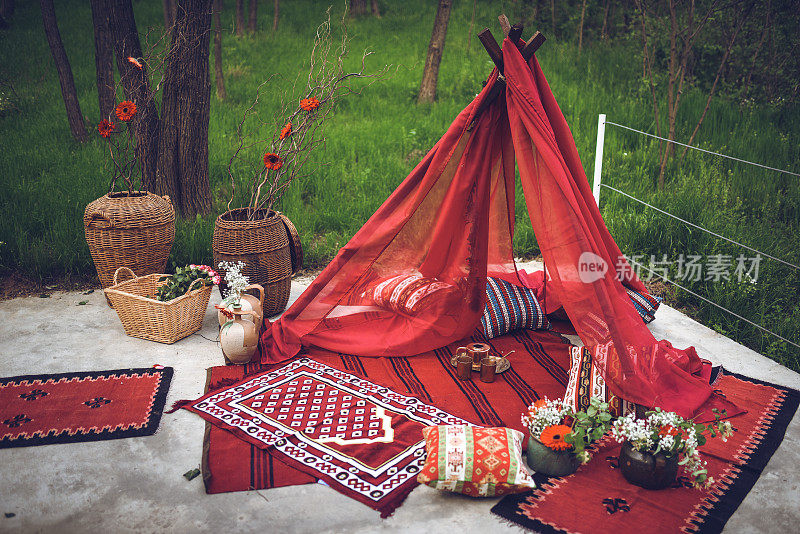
pixel 89 406
pixel 540 366
pixel 597 497
pixel 361 438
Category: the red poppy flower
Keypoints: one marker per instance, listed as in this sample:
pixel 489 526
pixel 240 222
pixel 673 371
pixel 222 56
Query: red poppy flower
pixel 286 131
pixel 136 63
pixel 126 110
pixel 309 104
pixel 273 161
pixel 105 128
pixel 553 437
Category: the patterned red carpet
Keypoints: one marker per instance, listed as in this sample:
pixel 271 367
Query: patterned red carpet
pixel 73 407
pixel 539 368
pixel 604 498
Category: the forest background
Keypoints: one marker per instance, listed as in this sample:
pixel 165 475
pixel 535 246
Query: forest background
pixel 746 55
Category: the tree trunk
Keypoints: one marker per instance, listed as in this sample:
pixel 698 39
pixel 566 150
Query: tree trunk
pixel 358 7
pixel 604 31
pixel 136 83
pixel 169 12
pixel 239 18
pixel 183 145
pixel 376 11
pixel 74 115
pixel 430 76
pixel 103 58
pixel 218 75
pixel 7 8
pixel 252 23
pixel 580 27
pixel 275 18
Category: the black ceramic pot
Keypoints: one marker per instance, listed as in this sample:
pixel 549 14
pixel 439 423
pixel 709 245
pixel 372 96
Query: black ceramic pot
pixel 647 470
pixel 546 461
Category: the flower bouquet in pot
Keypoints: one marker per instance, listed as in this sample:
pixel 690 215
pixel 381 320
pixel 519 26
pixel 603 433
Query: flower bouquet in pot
pixel 656 447
pixel 129 227
pixel 255 234
pixel 559 436
pixel 239 316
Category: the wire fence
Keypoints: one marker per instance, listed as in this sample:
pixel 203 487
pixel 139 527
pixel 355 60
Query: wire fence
pixel 598 184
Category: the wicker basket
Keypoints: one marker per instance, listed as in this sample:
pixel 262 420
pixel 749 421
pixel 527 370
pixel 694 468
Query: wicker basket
pixel 145 317
pixel 134 231
pixel 263 246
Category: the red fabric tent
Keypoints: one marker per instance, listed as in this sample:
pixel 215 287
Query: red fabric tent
pixel 452 220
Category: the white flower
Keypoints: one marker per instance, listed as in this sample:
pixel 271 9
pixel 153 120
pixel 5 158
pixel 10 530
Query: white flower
pixel 237 282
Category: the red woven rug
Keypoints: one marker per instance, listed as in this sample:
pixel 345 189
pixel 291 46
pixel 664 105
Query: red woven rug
pixel 90 406
pixel 539 368
pixel 608 503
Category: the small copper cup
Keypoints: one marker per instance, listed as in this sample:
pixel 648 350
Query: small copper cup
pixel 463 364
pixel 479 351
pixel 488 369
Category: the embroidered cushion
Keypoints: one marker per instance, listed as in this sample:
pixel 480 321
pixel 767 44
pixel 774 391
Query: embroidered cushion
pixel 475 461
pixel 408 293
pixel 509 307
pixel 586 381
pixel 645 304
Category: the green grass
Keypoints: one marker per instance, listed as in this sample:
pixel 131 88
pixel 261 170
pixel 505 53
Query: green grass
pixel 376 138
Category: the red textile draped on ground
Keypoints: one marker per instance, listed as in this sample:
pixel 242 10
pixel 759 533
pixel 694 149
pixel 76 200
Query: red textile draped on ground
pixel 451 221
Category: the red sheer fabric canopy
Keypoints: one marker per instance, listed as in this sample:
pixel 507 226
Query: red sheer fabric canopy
pixel 431 244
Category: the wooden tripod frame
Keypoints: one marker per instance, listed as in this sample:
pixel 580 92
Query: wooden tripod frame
pixel 528 49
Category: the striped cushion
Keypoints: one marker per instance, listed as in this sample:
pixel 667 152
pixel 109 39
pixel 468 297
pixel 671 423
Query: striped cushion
pixel 586 381
pixel 509 307
pixel 645 304
pixel 407 293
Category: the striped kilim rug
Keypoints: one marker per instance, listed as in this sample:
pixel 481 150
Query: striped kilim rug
pixel 353 451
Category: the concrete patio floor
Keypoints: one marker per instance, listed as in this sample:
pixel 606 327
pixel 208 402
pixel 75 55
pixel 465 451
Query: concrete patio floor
pixel 136 484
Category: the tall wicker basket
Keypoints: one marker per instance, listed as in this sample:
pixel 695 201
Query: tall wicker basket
pixel 263 245
pixel 129 230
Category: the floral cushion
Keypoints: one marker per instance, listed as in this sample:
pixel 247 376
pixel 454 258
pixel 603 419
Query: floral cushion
pixel 586 381
pixel 475 461
pixel 509 307
pixel 408 293
pixel 645 304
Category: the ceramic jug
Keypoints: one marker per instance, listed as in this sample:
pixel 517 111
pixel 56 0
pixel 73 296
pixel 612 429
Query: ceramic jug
pixel 238 337
pixel 247 303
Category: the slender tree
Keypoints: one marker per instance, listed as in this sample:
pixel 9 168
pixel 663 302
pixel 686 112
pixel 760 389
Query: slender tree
pixel 239 18
pixel 74 115
pixel 275 17
pixel 580 27
pixel 252 22
pixel 103 58
pixel 136 84
pixel 169 12
pixel 376 11
pixel 183 143
pixel 358 7
pixel 218 75
pixel 430 75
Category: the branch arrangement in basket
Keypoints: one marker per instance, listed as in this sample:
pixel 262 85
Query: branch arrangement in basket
pixel 298 124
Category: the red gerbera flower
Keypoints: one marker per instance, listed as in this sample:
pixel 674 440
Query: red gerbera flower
pixel 553 437
pixel 136 63
pixel 286 131
pixel 669 430
pixel 309 104
pixel 105 128
pixel 273 161
pixel 126 110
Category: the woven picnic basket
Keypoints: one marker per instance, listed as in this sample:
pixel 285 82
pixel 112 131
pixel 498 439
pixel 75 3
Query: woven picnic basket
pixel 263 245
pixel 143 316
pixel 129 230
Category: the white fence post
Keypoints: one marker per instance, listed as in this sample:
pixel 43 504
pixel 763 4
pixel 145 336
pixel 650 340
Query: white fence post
pixel 598 157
